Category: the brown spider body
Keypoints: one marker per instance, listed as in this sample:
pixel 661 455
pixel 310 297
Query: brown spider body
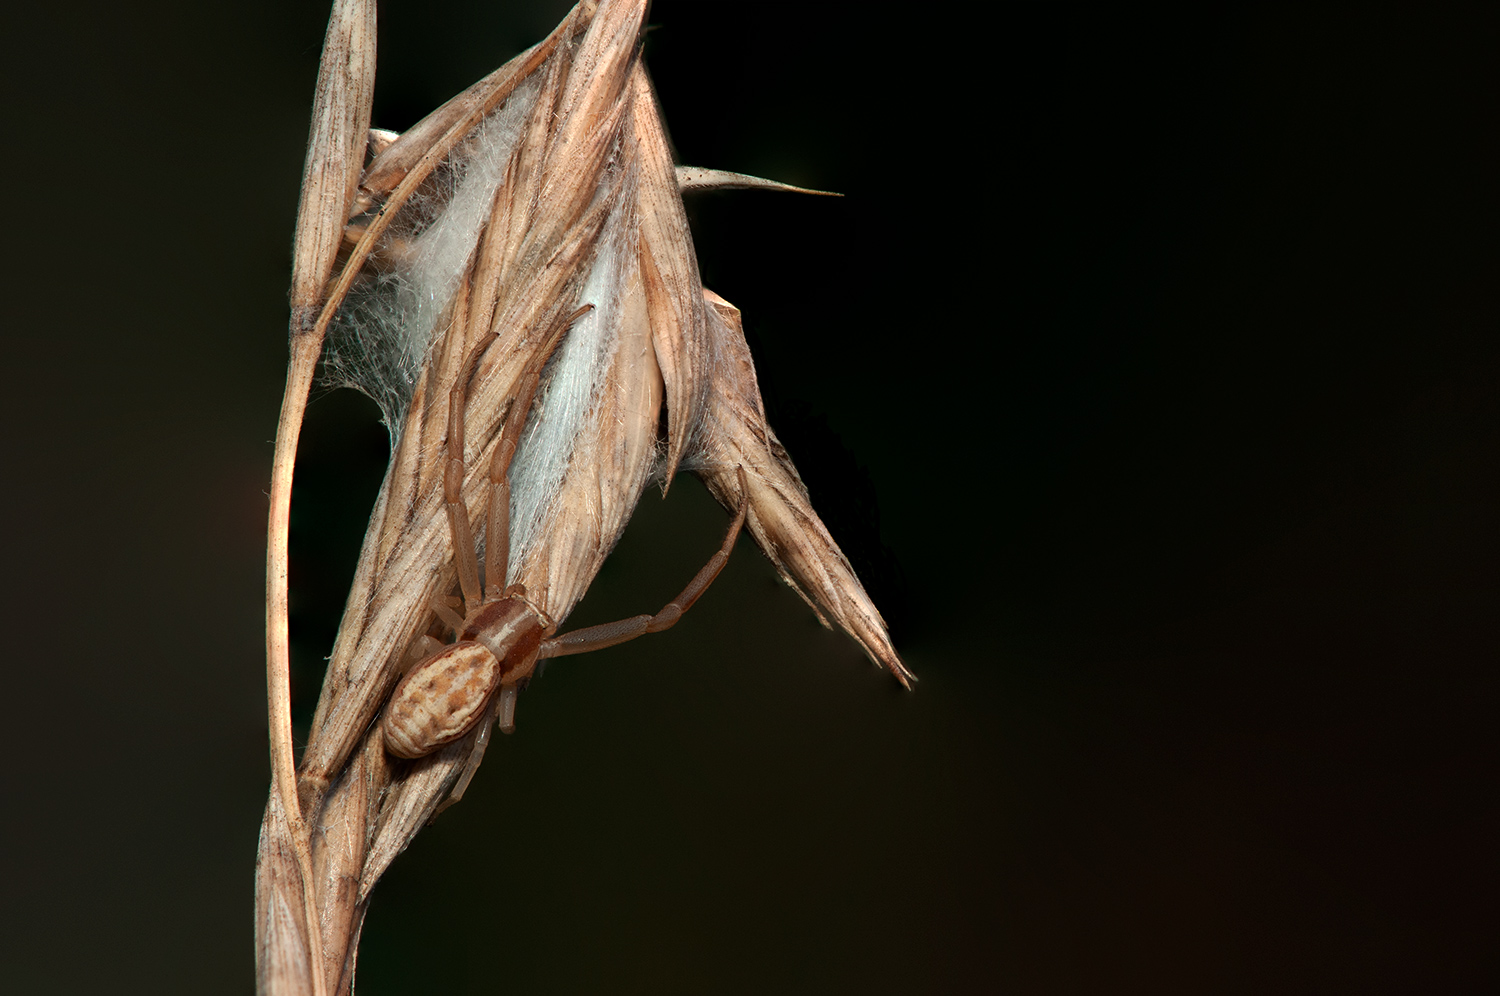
pixel 443 696
pixel 440 699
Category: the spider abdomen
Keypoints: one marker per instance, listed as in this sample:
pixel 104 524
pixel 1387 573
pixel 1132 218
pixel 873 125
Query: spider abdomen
pixel 440 699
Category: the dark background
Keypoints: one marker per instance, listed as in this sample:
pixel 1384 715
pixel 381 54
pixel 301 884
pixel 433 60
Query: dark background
pixel 1147 373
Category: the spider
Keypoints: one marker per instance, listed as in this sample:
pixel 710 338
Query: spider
pixel 502 633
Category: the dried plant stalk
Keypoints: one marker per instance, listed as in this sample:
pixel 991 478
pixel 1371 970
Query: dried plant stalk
pixel 542 197
pixel 287 922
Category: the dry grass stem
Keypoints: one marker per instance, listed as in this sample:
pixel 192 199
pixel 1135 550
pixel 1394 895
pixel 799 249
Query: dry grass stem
pixel 531 230
pixel 287 921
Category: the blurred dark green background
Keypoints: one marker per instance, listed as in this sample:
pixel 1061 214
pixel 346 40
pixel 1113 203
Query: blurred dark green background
pixel 1147 373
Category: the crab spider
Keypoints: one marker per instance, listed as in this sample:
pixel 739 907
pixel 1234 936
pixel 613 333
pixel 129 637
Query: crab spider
pixel 502 633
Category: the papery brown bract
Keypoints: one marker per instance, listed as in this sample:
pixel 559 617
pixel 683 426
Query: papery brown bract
pixel 733 433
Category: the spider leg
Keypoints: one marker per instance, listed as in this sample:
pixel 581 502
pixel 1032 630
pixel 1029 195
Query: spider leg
pixel 472 765
pixel 505 708
pixel 464 557
pixel 498 519
pixel 497 527
pixel 501 712
pixel 497 530
pixel 581 641
pixel 445 612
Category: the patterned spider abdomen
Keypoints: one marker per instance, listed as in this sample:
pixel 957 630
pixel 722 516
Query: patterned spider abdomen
pixel 440 699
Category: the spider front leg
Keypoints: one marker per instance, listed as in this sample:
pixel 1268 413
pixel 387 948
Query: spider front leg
pixel 497 524
pixel 581 641
pixel 465 557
